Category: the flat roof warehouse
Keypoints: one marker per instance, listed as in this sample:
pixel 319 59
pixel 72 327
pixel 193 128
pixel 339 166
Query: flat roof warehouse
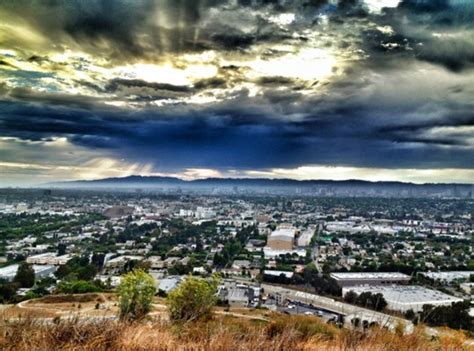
pixel 369 276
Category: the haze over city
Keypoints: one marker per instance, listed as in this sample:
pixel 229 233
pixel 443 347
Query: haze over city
pixel 371 90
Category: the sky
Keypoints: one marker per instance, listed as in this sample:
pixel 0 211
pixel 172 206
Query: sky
pixel 302 89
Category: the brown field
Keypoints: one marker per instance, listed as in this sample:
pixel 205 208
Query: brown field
pixel 73 322
pixel 63 305
pixel 84 306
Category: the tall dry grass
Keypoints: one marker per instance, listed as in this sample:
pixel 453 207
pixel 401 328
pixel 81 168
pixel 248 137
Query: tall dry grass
pixel 217 334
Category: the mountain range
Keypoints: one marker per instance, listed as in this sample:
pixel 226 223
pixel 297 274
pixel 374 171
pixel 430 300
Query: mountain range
pixel 267 185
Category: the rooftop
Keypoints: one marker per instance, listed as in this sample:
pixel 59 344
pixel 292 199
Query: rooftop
pixel 370 276
pixel 10 271
pixel 409 295
pixel 448 276
pixel 283 234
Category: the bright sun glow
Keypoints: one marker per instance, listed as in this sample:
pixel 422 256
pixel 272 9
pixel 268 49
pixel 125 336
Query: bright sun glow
pixel 308 64
pixel 167 73
pixel 376 6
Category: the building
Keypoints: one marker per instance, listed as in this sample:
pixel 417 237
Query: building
pixel 239 297
pixel 48 258
pixel 305 238
pixel 448 277
pixel 119 211
pixel 155 262
pixel 241 264
pixel 118 263
pixel 41 271
pixel 282 239
pixel 204 213
pixel 372 279
pixel 168 284
pixel 239 294
pixel 403 298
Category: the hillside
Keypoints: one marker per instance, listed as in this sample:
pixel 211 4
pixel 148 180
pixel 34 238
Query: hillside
pixel 72 323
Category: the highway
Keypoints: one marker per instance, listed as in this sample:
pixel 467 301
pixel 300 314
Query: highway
pixel 330 305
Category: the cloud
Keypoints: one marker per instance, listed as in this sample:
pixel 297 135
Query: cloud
pixel 369 174
pixel 241 85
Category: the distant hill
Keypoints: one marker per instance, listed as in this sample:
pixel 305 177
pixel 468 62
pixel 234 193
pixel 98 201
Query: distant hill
pixel 267 185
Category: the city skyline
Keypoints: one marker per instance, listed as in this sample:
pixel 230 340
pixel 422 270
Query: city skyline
pixel 307 89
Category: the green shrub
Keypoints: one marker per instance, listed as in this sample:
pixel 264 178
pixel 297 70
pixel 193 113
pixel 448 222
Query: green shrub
pixel 77 287
pixel 193 299
pixel 136 292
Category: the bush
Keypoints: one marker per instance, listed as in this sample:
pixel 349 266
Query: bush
pixel 136 292
pixel 455 316
pixel 77 287
pixel 193 299
pixel 350 297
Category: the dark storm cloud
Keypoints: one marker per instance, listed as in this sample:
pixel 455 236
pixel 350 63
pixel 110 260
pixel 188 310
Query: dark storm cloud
pixel 142 28
pixel 49 98
pixel 115 84
pixel 146 29
pixel 356 120
pixel 7 64
pixel 436 31
pixel 418 131
pixel 245 134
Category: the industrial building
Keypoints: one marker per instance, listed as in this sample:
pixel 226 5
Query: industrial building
pixel 356 279
pixel 41 271
pixel 448 277
pixel 239 294
pixel 282 239
pixel 403 298
pixel 305 238
pixel 49 258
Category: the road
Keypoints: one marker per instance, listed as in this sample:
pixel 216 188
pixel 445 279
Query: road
pixel 301 308
pixel 340 308
pixel 314 254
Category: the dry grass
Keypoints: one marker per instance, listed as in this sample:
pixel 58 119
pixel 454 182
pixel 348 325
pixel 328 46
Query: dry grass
pixel 51 306
pixel 217 334
pixel 76 298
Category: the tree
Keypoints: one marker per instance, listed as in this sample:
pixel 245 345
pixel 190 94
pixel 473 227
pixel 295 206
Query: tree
pixel 7 292
pixel 25 276
pixel 193 299
pixel 373 301
pixel 136 291
pixel 61 249
pixel 350 297
pixel 410 314
pixel 98 259
pixel 455 316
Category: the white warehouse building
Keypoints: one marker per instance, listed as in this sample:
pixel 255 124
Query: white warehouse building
pixel 346 279
pixel 41 271
pixel 403 298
